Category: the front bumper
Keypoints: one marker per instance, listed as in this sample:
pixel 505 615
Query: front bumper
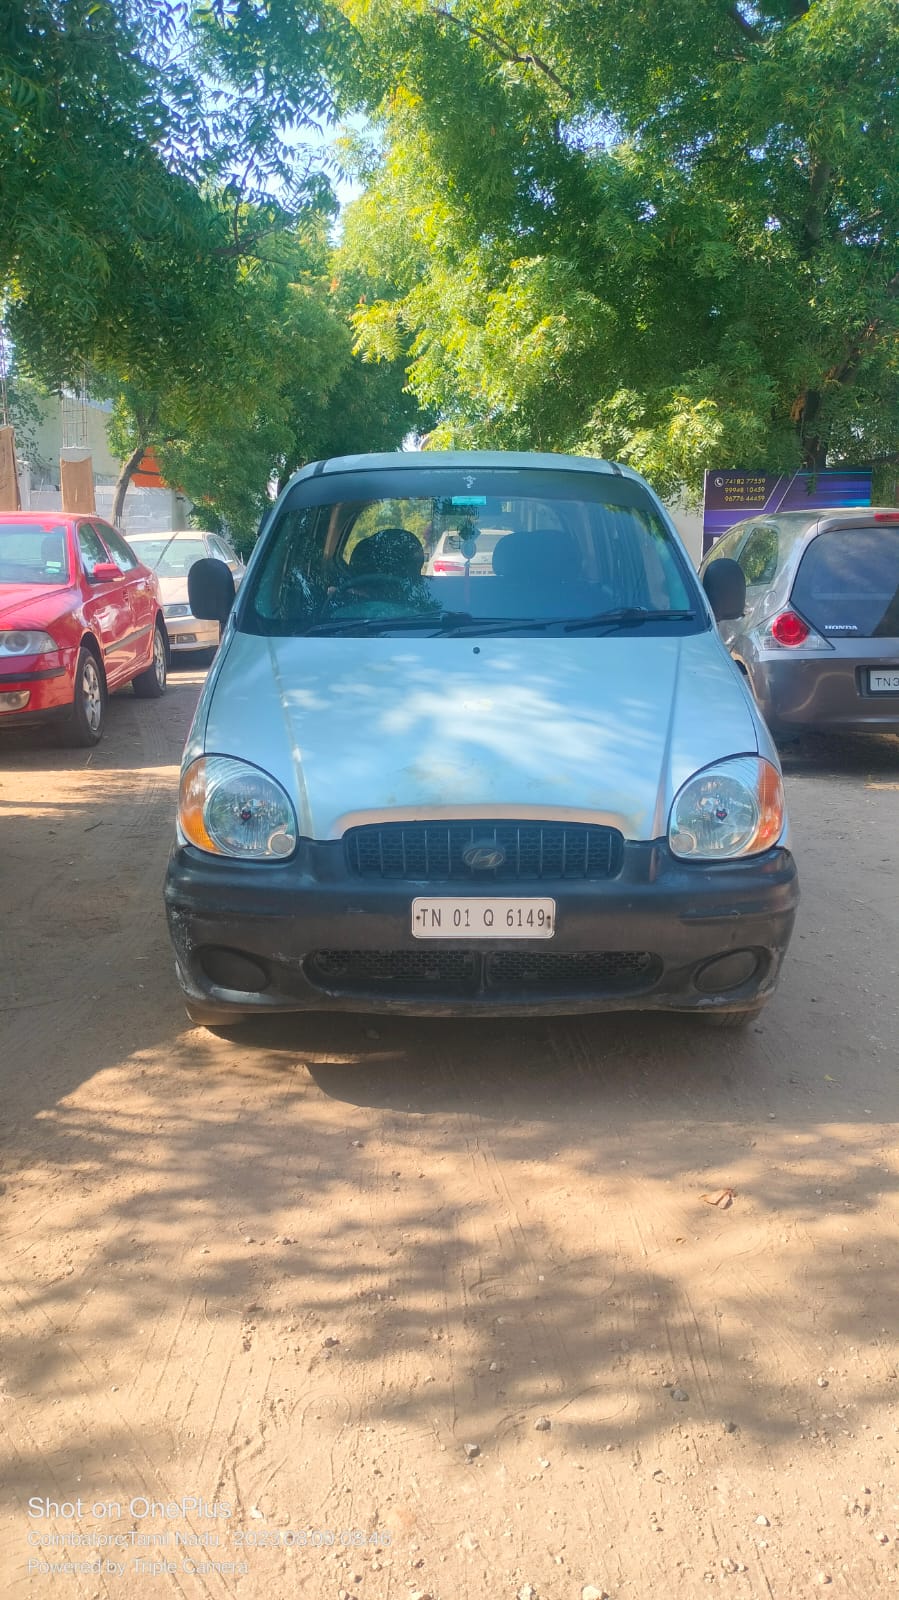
pixel 307 935
pixel 192 633
pixel 35 692
pixel 826 692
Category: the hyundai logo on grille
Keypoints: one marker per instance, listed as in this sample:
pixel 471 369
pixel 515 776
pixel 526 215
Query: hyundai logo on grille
pixel 483 855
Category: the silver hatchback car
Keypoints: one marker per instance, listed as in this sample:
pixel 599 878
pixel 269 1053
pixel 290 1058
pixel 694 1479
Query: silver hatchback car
pixel 546 789
pixel 819 639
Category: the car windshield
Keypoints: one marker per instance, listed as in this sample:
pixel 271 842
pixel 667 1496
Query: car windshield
pixel 848 583
pixel 168 555
pixel 32 554
pixel 514 551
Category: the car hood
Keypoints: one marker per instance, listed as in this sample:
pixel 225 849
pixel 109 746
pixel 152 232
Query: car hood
pixel 358 730
pixel 33 605
pixel 172 589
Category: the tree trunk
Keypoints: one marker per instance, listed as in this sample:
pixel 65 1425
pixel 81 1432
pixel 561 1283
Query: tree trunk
pixel 126 473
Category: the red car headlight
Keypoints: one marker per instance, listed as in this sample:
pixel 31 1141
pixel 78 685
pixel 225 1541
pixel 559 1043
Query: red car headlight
pixel 26 642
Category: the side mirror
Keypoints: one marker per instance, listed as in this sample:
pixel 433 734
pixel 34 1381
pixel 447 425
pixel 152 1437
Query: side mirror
pixel 105 572
pixel 725 586
pixel 210 590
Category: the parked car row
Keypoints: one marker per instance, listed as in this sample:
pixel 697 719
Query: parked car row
pixel 552 790
pixel 84 611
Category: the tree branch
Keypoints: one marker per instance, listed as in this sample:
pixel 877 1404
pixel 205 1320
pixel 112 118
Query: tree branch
pixel 504 49
pixel 745 26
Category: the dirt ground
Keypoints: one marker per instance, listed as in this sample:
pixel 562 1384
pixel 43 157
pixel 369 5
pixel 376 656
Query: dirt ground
pixel 261 1296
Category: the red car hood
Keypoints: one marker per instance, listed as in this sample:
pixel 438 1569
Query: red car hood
pixel 34 605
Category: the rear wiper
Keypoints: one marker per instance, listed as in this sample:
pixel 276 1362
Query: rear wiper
pixel 626 617
pixel 363 625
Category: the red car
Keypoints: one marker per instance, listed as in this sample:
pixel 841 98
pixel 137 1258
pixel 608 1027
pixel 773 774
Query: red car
pixel 79 616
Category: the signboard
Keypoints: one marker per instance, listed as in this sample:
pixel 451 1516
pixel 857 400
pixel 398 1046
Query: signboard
pixel 731 496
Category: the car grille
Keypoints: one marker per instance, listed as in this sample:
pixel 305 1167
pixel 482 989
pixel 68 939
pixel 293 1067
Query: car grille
pixel 431 852
pixel 471 972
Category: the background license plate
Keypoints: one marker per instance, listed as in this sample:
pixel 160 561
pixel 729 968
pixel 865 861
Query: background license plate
pixel 883 680
pixel 483 919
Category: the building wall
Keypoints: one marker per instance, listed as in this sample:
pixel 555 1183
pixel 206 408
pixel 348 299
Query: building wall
pixel 49 440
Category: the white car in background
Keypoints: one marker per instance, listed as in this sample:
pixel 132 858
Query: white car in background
pixel 171 556
pixel 448 559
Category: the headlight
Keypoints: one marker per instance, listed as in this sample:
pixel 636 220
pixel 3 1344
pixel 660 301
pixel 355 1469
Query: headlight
pixel 26 643
pixel 735 808
pixel 180 609
pixel 232 809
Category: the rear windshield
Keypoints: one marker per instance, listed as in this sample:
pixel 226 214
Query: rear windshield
pixel 32 555
pixel 524 546
pixel 848 583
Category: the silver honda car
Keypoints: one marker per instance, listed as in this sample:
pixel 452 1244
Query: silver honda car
pixel 819 639
pixel 544 789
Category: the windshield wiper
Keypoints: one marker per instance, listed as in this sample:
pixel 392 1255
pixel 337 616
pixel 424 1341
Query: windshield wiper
pixel 460 624
pixel 626 616
pixel 439 620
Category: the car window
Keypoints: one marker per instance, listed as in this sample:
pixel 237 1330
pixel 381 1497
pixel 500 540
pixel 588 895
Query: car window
pixel 726 545
pixel 93 551
pixel 559 547
pixel 848 583
pixel 125 559
pixel 32 554
pixel 223 551
pixel 759 555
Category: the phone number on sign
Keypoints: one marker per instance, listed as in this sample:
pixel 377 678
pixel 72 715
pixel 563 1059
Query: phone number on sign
pixel 301 1538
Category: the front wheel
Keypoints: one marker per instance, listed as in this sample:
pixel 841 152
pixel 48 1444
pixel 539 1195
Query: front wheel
pixel 84 724
pixel 150 684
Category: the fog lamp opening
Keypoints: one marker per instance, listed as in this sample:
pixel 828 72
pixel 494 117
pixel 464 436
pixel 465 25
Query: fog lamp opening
pixel 231 969
pixel 727 972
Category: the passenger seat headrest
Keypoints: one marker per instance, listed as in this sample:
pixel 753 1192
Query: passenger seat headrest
pixel 541 555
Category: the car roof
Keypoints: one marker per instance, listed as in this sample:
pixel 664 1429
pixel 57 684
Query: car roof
pixel 824 517
pixel 41 519
pixel 428 460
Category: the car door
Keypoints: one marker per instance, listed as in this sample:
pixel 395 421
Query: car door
pixel 142 590
pixel 107 608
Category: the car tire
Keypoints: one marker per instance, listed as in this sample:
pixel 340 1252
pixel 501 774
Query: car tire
pixel 85 722
pixel 150 684
pixel 730 1019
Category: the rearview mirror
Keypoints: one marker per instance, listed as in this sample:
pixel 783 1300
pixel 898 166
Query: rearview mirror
pixel 725 586
pixel 210 590
pixel 104 572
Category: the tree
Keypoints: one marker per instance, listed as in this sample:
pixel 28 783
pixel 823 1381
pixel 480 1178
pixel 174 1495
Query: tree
pixel 283 387
pixel 669 234
pixel 163 235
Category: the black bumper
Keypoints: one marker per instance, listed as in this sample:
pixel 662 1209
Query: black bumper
pixel 307 935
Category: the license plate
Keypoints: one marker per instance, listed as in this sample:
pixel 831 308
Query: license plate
pixel 883 680
pixel 483 919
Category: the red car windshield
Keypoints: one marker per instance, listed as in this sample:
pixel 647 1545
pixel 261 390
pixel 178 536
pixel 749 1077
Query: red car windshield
pixel 31 554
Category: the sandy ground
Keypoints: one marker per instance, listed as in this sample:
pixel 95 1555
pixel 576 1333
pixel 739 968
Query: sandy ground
pixel 262 1294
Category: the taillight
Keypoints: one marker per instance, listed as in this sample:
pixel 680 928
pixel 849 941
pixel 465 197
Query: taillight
pixel 789 630
pixel 886 516
pixel 447 566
